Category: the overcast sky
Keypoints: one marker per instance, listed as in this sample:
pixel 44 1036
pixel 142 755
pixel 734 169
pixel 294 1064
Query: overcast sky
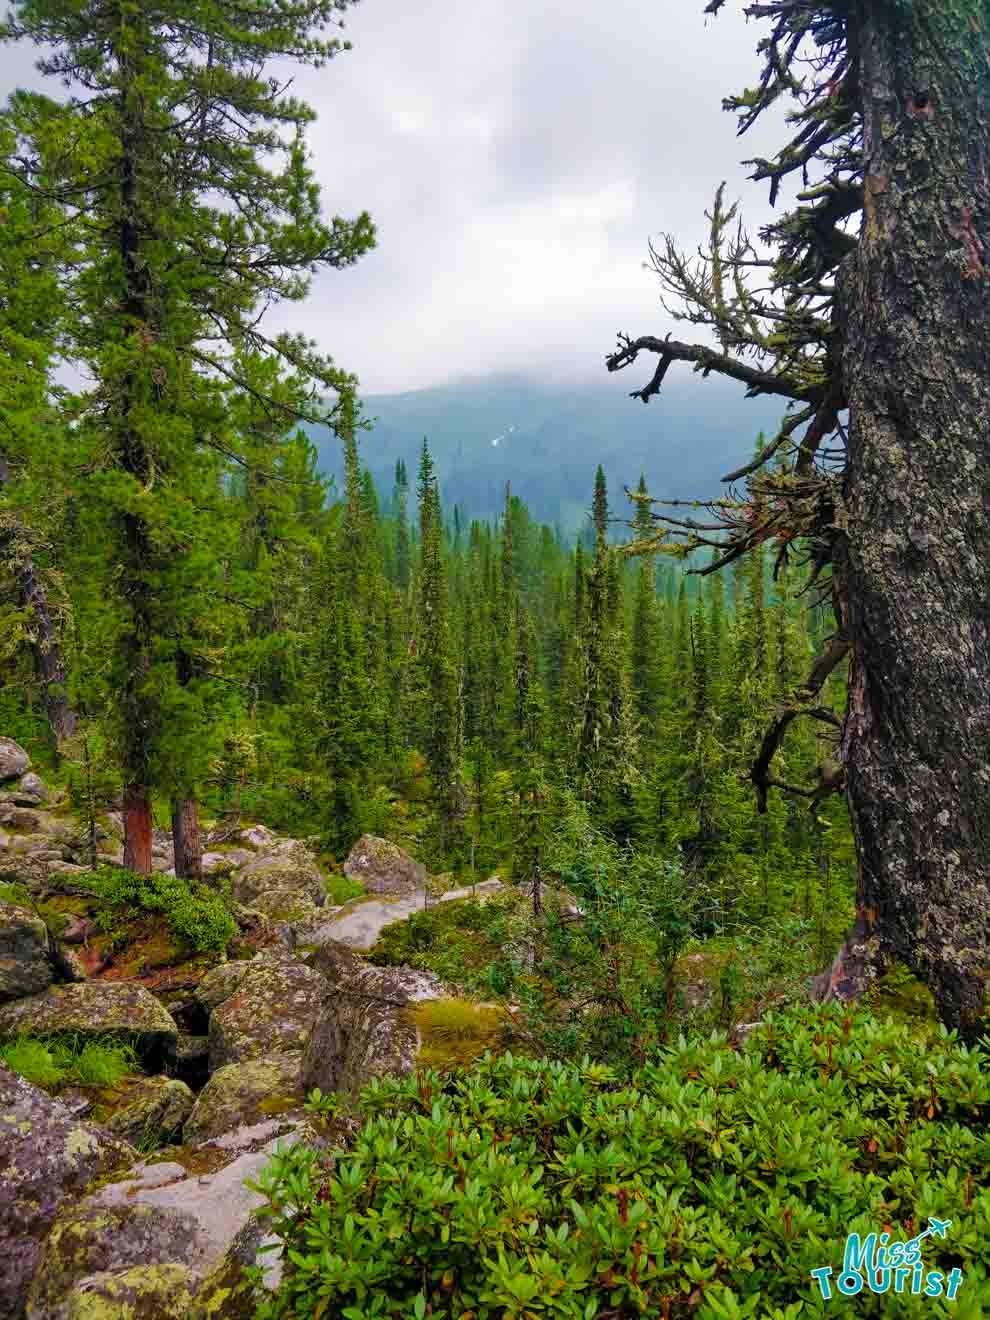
pixel 516 155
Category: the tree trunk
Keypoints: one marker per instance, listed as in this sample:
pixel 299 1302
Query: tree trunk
pixel 913 565
pixel 137 829
pixel 186 839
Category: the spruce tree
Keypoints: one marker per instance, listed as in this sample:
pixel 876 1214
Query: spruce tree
pixel 192 205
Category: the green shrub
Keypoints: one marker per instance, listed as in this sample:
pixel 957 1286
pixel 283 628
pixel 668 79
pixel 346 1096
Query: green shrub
pixel 458 940
pixel 195 913
pixel 709 1185
pixel 70 1060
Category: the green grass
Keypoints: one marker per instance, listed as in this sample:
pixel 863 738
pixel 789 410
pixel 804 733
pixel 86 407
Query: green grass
pixel 62 1061
pixel 15 893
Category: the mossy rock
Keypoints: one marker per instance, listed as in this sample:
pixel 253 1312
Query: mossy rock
pixel 145 1292
pixel 25 967
pixel 115 1009
pixel 235 1095
pixel 95 1239
pixel 151 1112
pixel 270 1009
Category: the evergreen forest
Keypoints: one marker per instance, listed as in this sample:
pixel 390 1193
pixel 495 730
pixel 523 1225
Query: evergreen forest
pixel 410 913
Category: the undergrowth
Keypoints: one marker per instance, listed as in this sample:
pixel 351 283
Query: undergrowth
pixel 70 1060
pixel 195 913
pixel 708 1183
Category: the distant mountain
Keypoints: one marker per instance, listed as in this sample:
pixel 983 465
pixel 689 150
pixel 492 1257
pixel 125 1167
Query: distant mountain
pixel 548 439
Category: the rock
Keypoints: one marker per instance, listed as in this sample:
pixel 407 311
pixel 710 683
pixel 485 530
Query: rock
pixel 20 869
pixel 383 867
pixel 292 869
pixel 153 1110
pixel 146 1292
pixel 47 1157
pixel 25 968
pixel 100 1237
pixel 119 1009
pixel 14 760
pixel 258 837
pixel 285 903
pixel 271 1011
pixel 190 1050
pixel 245 1093
pixel 220 982
pixel 315 930
pixel 362 1029
pixel 219 863
pixel 29 791
pixel 202 1224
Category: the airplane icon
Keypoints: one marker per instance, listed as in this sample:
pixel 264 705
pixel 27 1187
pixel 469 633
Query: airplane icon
pixel 936 1227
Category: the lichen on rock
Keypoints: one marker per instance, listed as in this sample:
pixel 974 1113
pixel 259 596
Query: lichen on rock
pixel 244 1093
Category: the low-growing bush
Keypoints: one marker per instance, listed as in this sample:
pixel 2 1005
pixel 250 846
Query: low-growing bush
pixel 194 912
pixel 708 1185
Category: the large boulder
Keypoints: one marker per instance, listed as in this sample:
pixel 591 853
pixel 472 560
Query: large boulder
pixel 25 967
pixel 153 1110
pixel 29 791
pixel 383 868
pixel 291 868
pixel 270 1011
pixel 47 1158
pixel 14 760
pixel 118 1009
pixel 196 1226
pixel 245 1093
pixel 101 1237
pixel 364 1028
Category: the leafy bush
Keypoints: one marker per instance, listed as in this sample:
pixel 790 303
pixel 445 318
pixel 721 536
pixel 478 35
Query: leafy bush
pixel 709 1185
pixel 70 1060
pixel 458 940
pixel 603 984
pixel 196 914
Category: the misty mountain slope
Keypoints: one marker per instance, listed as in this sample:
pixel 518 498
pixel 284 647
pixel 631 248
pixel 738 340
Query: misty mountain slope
pixel 548 440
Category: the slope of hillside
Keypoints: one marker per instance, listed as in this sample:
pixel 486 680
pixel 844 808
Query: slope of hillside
pixel 548 439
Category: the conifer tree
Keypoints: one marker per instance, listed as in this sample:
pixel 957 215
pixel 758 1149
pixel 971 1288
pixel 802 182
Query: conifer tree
pixel 173 115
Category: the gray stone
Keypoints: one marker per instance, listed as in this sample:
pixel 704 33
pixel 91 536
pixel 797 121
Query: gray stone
pixel 25 967
pixel 270 1011
pixel 245 1093
pixel 29 791
pixel 47 1158
pixel 293 869
pixel 14 760
pixel 383 868
pixel 363 1029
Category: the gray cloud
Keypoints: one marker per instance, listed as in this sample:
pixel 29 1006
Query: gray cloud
pixel 516 155
pixel 516 158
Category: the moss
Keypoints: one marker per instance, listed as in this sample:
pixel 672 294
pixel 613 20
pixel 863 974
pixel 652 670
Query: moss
pixel 902 997
pixel 455 1032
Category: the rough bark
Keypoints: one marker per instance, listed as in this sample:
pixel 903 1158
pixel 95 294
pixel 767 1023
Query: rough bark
pixel 137 828
pixel 913 562
pixel 186 839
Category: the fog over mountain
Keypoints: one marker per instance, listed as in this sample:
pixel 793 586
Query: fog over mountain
pixel 547 438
